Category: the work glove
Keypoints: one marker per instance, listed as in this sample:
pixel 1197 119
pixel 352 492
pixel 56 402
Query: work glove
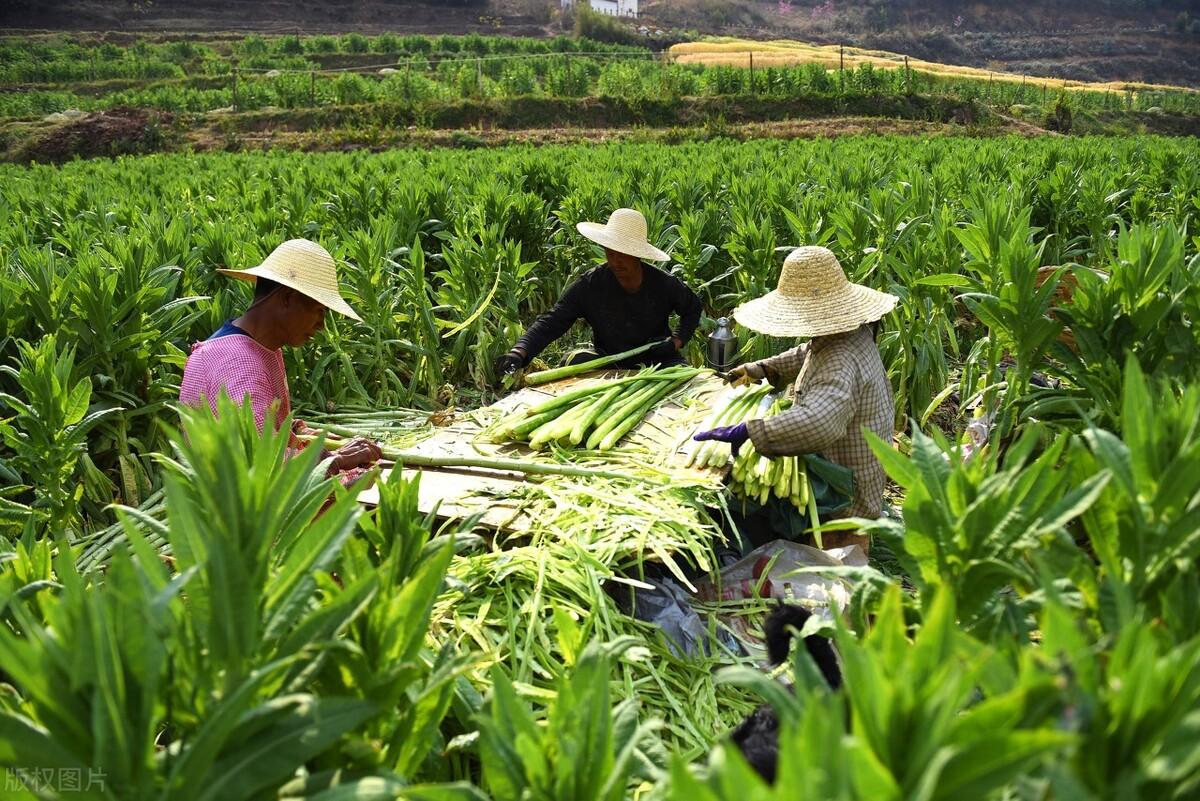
pixel 735 435
pixel 664 350
pixel 745 373
pixel 358 452
pixel 510 362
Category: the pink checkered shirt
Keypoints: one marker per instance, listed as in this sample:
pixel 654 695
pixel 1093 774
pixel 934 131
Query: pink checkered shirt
pixel 841 387
pixel 242 367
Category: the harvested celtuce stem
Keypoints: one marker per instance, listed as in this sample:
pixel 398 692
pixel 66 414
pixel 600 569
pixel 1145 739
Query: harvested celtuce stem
pixel 630 420
pixel 588 420
pixel 596 416
pixel 533 468
pixel 739 408
pixel 759 477
pixel 409 459
pixel 618 413
pixel 545 376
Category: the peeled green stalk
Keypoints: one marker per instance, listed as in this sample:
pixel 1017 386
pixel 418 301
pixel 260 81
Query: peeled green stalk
pixel 631 420
pixel 587 421
pixel 700 456
pixel 569 398
pixel 533 468
pixel 783 477
pixel 738 411
pixel 617 414
pixel 558 428
pixel 523 427
pixel 545 376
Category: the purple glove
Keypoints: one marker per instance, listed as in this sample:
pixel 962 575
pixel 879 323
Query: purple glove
pixel 735 435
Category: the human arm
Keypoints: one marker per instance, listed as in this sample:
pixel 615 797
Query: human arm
pixel 358 452
pixel 551 325
pixel 820 417
pixel 779 370
pixel 687 305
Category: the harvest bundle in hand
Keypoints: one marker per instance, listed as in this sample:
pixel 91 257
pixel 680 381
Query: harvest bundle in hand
pixel 759 477
pixel 597 416
pixel 743 405
pixel 754 476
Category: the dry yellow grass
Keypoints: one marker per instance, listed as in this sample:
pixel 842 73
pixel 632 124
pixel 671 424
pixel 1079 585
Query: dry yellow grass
pixel 729 51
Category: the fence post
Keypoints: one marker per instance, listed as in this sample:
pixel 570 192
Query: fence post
pixel 751 72
pixel 842 67
pixel 479 76
pixel 234 69
pixel 907 78
pixel 312 88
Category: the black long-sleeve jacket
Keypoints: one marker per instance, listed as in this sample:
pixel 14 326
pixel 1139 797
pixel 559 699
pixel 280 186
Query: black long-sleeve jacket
pixel 620 320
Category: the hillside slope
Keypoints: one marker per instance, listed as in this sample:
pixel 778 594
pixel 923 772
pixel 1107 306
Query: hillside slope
pixel 1156 41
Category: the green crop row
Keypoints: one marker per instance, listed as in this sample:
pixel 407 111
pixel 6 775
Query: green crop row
pixel 549 68
pixel 1033 638
pixel 122 254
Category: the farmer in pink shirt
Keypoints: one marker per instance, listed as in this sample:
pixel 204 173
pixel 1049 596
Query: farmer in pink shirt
pixel 293 289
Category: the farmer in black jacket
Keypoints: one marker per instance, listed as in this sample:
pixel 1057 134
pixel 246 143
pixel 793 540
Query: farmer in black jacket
pixel 627 303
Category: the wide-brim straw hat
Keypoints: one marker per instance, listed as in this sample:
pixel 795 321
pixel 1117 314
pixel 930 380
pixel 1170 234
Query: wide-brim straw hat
pixel 625 232
pixel 813 299
pixel 305 267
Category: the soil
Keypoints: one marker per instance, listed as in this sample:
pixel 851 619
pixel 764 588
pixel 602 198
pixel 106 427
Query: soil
pixel 314 141
pixel 117 132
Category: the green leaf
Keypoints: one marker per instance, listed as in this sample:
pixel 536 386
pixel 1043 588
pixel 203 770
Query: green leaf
pixel 982 768
pixel 308 727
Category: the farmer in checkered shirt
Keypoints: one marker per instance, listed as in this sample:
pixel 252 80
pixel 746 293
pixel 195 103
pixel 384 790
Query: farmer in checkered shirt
pixel 293 290
pixel 840 385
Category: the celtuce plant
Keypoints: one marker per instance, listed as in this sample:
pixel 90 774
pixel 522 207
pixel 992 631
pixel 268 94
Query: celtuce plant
pixel 1026 631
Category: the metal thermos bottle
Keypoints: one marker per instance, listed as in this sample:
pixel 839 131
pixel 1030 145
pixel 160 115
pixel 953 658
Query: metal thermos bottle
pixel 722 346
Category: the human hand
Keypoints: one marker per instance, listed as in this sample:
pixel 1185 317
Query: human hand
pixel 509 363
pixel 665 349
pixel 358 452
pixel 745 373
pixel 735 435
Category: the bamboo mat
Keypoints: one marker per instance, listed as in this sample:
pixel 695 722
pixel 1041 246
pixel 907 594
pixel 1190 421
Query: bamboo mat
pixel 663 439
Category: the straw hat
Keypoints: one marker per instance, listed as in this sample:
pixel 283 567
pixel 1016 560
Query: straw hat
pixel 814 299
pixel 305 267
pixel 625 232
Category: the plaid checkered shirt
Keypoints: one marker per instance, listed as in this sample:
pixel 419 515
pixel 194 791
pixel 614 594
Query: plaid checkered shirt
pixel 248 373
pixel 840 388
pixel 245 370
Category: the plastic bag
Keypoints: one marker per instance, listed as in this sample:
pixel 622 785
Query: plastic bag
pixel 770 572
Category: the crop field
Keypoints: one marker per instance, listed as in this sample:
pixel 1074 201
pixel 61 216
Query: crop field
pixel 179 616
pixel 51 75
pixel 733 51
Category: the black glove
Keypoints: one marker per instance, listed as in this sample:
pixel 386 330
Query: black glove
pixel 509 363
pixel 665 350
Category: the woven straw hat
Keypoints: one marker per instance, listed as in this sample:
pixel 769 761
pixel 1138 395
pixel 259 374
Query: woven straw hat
pixel 625 232
pixel 305 267
pixel 813 299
